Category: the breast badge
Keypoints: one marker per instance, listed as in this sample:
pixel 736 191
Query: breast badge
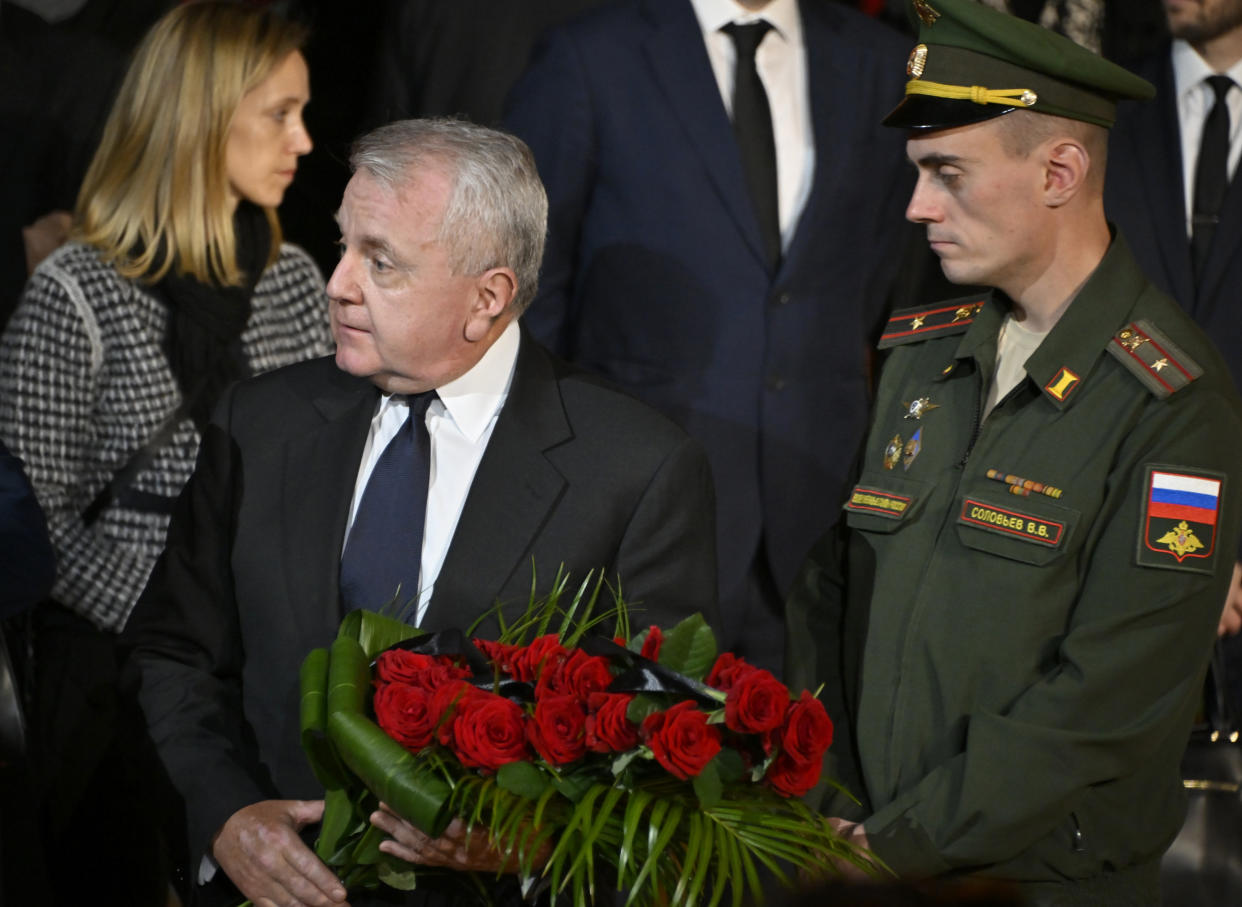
pixel 916 408
pixel 1181 509
pixel 893 451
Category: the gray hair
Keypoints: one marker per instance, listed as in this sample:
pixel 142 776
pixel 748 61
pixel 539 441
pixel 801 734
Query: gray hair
pixel 497 210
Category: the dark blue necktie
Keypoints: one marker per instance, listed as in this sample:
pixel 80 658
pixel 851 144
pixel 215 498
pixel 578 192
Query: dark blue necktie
pixel 385 546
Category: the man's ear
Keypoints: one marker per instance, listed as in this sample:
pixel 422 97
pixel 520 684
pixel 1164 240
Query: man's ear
pixel 1066 166
pixel 495 289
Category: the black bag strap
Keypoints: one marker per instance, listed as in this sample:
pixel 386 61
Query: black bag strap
pixel 124 477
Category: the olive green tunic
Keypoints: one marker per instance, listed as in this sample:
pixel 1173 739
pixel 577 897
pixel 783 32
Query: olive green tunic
pixel 1013 675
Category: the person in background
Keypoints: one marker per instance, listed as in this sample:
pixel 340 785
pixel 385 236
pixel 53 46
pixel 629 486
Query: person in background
pixel 1015 619
pixel 1172 189
pixel 174 285
pixel 699 156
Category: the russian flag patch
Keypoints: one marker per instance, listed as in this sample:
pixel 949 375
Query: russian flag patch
pixel 1180 517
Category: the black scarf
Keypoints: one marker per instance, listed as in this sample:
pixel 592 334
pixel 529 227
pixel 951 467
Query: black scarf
pixel 205 322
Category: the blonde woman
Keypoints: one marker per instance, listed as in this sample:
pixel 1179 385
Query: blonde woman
pixel 176 284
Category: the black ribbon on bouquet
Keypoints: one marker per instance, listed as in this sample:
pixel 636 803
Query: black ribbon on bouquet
pixel 638 674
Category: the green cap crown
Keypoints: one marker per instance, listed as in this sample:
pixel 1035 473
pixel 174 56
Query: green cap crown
pixel 974 63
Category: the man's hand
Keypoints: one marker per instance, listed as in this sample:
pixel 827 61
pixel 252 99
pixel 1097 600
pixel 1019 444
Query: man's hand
pixel 854 833
pixel 455 849
pixel 1231 617
pixel 259 849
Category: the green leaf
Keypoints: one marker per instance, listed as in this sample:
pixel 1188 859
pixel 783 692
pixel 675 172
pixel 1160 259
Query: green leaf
pixel 623 760
pixel 377 632
pixel 730 764
pixel 313 684
pixel 523 779
pixel 410 786
pixel 689 648
pixel 642 706
pixel 338 820
pixel 397 874
pixel 629 827
pixel 349 678
pixel 707 786
pixel 574 787
pixel 366 851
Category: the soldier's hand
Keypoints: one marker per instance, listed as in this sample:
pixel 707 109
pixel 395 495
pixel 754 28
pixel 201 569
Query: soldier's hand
pixel 259 849
pixel 1231 617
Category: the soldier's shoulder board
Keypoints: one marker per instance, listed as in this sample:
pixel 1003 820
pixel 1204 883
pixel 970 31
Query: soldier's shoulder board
pixel 923 322
pixel 1159 363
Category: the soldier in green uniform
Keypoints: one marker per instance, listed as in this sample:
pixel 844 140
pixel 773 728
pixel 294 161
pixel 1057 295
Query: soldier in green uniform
pixel 1013 621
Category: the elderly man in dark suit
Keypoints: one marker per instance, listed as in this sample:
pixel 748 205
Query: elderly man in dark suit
pixel 715 249
pixel 443 453
pixel 1173 191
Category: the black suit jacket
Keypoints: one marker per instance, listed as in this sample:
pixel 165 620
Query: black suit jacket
pixel 575 472
pixel 655 273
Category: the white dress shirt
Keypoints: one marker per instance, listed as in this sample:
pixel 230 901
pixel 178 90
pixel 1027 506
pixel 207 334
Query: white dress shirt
pixel 781 62
pixel 1194 101
pixel 460 423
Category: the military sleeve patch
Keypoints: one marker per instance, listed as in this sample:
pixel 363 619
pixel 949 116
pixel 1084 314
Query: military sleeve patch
pixel 1179 520
pixel 942 319
pixel 1153 358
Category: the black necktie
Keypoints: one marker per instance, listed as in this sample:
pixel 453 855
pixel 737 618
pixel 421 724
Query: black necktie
pixel 1211 173
pixel 385 545
pixel 752 124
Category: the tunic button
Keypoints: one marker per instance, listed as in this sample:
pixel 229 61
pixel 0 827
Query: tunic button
pixel 784 299
pixel 776 383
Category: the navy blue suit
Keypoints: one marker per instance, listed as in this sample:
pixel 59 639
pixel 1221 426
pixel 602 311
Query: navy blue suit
pixel 1144 196
pixel 27 563
pixel 655 275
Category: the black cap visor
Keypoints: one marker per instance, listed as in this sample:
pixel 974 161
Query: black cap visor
pixel 917 111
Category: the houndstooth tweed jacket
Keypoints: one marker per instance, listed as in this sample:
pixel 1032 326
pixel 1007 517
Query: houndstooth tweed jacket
pixel 84 385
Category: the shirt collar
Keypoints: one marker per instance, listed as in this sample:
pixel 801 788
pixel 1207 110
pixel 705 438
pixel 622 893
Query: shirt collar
pixel 1068 355
pixel 1190 69
pixel 473 399
pixel 782 15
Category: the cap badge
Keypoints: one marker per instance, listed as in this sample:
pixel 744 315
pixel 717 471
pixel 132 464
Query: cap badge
pixel 917 62
pixel 925 11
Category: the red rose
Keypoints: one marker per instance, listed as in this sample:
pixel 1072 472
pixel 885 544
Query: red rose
pixel 791 778
pixel 446 702
pixel 497 653
pixel 756 703
pixel 558 729
pixel 651 645
pixel 543 654
pixel 608 730
pixel 807 732
pixel 405 713
pixel 681 739
pixel 489 731
pixel 400 666
pixel 727 671
pixel 580 675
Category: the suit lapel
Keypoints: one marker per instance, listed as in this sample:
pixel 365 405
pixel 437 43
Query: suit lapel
pixel 319 473
pixel 1158 136
pixel 833 114
pixel 683 71
pixel 1226 245
pixel 513 491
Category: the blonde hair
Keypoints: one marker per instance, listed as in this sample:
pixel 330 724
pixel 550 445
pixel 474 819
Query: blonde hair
pixel 156 193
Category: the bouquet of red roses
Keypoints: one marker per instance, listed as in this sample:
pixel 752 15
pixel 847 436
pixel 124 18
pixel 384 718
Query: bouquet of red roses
pixel 647 760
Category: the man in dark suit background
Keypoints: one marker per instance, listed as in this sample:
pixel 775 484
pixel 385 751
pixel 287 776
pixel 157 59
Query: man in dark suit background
pixel 715 249
pixel 1172 190
pixel 526 464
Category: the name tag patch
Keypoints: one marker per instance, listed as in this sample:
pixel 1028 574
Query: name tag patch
pixel 1179 519
pixel 1012 523
pixel 873 500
